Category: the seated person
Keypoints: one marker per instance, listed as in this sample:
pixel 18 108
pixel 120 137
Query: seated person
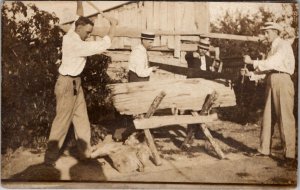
pixel 201 65
pixel 200 58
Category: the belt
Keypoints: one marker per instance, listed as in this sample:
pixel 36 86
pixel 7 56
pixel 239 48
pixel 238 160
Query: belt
pixel 74 83
pixel 278 72
pixel 70 76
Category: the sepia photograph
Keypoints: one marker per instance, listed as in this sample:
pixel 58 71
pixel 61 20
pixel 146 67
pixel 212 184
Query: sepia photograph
pixel 149 94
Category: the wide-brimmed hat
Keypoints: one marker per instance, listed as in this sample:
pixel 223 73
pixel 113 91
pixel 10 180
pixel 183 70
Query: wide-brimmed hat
pixel 148 35
pixel 204 44
pixel 272 25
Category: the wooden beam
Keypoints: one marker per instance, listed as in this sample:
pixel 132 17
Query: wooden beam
pixel 171 23
pixel 205 108
pixel 210 98
pixel 159 121
pixel 148 136
pixel 122 31
pixel 210 138
pixel 231 37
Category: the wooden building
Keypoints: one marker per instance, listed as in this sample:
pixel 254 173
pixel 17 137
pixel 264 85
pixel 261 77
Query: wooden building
pixel 178 26
pixel 172 22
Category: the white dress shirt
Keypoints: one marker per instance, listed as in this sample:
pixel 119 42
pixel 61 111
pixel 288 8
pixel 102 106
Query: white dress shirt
pixel 203 63
pixel 75 51
pixel 280 58
pixel 138 62
pixel 203 60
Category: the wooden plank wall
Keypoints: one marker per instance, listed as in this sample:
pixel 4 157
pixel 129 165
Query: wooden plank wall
pixel 164 16
pixel 171 16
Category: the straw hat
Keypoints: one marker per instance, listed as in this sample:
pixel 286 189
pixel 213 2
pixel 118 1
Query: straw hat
pixel 204 44
pixel 272 25
pixel 148 35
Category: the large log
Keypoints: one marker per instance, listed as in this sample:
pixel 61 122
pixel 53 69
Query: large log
pixel 188 94
pixel 159 121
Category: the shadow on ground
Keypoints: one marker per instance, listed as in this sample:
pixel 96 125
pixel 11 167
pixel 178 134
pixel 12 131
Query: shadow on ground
pixel 85 169
pixel 90 170
pixel 38 172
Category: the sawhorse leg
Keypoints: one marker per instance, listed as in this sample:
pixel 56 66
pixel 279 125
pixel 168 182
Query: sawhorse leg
pixel 191 132
pixel 148 136
pixel 210 138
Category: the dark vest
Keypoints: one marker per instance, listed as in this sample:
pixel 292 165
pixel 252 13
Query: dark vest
pixel 194 62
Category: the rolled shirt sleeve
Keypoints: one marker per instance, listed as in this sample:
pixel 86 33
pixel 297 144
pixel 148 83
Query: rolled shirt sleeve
pixel 88 48
pixel 281 58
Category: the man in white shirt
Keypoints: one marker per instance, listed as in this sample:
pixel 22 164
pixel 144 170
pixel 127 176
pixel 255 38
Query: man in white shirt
pixel 139 69
pixel 71 105
pixel 279 66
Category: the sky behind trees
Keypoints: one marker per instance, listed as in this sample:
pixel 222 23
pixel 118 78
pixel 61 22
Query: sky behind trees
pixel 65 10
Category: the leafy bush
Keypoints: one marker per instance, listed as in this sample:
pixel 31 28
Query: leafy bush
pixel 30 49
pixel 95 79
pixel 31 53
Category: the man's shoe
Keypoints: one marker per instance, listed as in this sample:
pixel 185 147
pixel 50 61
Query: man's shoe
pixel 289 163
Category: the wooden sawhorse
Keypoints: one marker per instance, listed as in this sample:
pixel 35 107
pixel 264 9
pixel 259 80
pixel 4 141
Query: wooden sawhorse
pixel 158 121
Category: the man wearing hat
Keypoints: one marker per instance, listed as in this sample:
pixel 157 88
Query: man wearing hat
pixel 70 102
pixel 139 69
pixel 200 59
pixel 278 66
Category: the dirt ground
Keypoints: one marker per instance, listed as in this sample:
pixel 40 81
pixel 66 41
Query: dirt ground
pixel 199 165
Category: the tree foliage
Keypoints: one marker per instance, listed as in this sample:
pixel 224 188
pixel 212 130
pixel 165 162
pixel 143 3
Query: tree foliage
pixel 249 24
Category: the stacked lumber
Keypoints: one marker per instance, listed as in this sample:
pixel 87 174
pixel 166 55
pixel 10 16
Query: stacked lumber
pixel 188 94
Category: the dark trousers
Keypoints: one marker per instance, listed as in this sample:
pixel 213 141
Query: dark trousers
pixel 133 77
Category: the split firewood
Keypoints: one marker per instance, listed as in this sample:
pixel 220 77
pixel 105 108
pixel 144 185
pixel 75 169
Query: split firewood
pixel 107 147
